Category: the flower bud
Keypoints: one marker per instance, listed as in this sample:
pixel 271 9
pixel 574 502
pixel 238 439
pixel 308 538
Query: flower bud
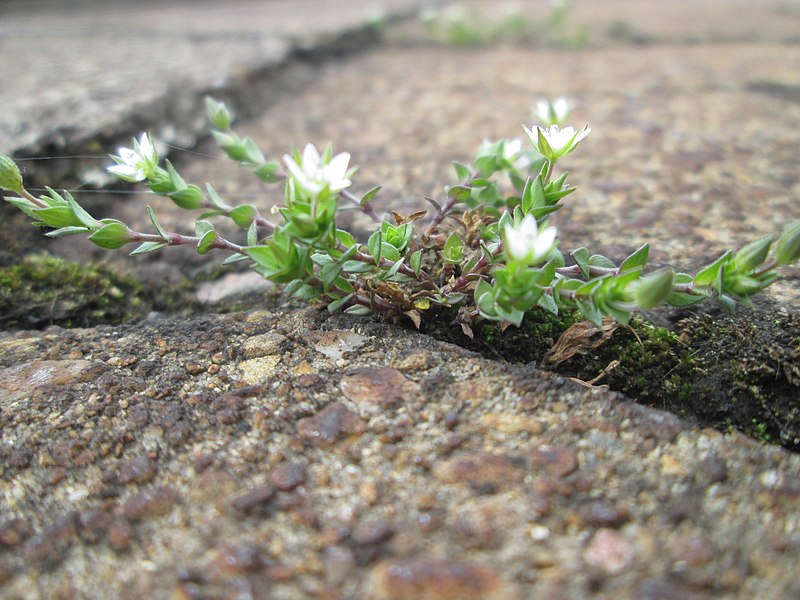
pixel 787 251
pixel 752 255
pixel 111 236
pixel 654 289
pixel 188 198
pixel 743 285
pixel 218 114
pixel 10 177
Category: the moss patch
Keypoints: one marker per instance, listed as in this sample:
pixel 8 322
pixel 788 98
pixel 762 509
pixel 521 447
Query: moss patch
pixel 42 290
pixel 733 372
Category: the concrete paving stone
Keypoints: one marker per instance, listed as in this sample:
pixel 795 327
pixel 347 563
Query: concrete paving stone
pixel 73 73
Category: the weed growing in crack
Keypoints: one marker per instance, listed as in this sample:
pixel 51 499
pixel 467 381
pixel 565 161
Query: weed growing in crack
pixel 486 252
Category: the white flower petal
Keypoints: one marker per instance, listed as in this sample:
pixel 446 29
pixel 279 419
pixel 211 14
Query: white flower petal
pixel 337 168
pixel 311 159
pixel 525 244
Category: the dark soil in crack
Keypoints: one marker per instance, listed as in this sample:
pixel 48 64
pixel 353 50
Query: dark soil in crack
pixel 732 372
pixel 729 371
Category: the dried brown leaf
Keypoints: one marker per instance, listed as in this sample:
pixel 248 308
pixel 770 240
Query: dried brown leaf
pixel 578 339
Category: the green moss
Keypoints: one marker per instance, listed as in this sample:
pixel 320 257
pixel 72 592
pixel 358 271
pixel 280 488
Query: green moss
pixel 725 371
pixel 42 290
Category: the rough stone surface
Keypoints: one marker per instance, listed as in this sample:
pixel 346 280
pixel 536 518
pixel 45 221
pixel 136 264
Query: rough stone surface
pixel 98 70
pixel 218 483
pixel 291 454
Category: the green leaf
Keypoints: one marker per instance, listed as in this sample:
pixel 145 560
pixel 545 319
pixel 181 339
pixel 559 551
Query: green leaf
pixel 84 217
pixel 231 145
pixel 590 311
pixel 347 253
pixel 26 206
pixel 64 231
pixel 234 258
pixel 337 304
pixel 358 309
pixel 752 255
pixel 328 274
pixel 253 153
pixel 598 260
pixel 58 216
pixel 243 215
pixel 684 299
pixel 636 260
pixel 711 276
pixel 344 238
pixel 389 252
pixel 321 258
pixel 268 172
pixel 369 195
pixel 460 193
pixel 728 303
pixel 453 250
pixel 483 288
pixel 544 146
pixel 415 262
pixel 463 172
pixel 53 198
pixel 787 251
pixel 202 227
pixel 156 225
pixel 303 290
pixel 207 241
pixel 189 197
pixel 581 258
pixel 207 214
pixel 654 289
pixel 357 266
pixel 618 314
pixel 505 221
pixel 175 179
pixel 480 182
pixel 537 194
pixel 215 199
pixel 146 247
pixel 485 165
pixel 375 244
pixel 110 236
pixel 395 268
pixel 513 316
pixel 547 302
pixel 252 234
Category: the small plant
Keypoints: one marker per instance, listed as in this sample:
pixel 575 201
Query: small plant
pixel 465 24
pixel 485 252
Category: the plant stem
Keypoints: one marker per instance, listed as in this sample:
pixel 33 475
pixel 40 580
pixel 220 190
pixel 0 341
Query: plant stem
pixel 448 204
pixel 176 239
pixel 594 271
pixel 365 208
pixel 28 196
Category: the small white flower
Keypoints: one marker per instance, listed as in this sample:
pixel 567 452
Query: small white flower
pixel 552 113
pixel 526 244
pixel 513 153
pixel 312 175
pixel 136 164
pixel 553 142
